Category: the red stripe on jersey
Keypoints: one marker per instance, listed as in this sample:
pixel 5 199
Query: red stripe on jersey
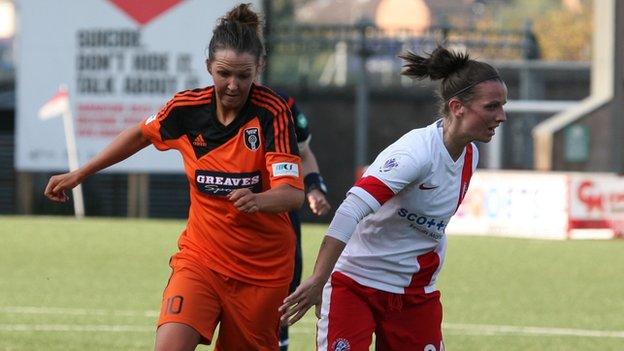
pixel 165 112
pixel 282 116
pixel 276 127
pixel 271 97
pixel 274 98
pixel 376 188
pixel 428 263
pixel 466 175
pixel 280 130
pixel 187 95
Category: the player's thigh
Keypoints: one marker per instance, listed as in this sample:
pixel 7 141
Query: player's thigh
pixel 346 321
pixel 250 318
pixel 176 337
pixel 190 298
pixel 416 326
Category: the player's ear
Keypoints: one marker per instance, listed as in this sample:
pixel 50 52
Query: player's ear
pixel 456 107
pixel 259 69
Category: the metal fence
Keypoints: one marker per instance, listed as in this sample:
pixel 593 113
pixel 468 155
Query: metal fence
pixel 313 55
pixel 7 174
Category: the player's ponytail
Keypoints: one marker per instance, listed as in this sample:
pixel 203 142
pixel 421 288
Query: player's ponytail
pixel 239 30
pixel 458 72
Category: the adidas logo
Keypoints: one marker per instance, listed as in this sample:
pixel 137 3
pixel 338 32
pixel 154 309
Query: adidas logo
pixel 199 141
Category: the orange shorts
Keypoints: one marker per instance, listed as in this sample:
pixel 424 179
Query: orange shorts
pixel 201 298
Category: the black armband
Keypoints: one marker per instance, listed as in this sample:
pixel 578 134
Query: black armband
pixel 314 181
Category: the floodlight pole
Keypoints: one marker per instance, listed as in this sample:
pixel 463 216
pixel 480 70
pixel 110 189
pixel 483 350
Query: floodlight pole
pixel 616 112
pixel 361 101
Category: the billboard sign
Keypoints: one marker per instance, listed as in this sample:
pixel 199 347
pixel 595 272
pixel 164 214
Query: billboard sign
pixel 516 204
pixel 121 60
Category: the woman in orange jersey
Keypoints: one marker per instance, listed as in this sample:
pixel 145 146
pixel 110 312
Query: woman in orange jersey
pixel 235 258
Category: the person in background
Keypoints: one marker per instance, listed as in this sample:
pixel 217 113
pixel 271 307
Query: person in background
pixel 237 140
pixel 378 264
pixel 316 191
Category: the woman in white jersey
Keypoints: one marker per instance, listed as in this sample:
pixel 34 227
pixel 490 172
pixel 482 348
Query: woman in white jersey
pixel 378 263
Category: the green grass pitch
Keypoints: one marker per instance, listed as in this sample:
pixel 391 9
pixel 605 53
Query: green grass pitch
pixel 96 284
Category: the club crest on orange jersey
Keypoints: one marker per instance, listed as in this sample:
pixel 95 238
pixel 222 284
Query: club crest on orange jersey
pixel 252 138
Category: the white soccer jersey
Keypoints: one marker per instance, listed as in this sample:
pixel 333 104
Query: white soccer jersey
pixel 413 187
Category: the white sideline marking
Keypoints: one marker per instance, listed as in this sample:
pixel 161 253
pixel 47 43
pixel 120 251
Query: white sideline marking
pixel 74 328
pixel 453 328
pixel 484 329
pixel 75 311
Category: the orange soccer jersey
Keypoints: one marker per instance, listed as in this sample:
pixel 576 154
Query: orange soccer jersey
pixel 258 150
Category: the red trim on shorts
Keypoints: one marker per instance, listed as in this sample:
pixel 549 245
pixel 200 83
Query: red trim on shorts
pixel 376 188
pixel 399 321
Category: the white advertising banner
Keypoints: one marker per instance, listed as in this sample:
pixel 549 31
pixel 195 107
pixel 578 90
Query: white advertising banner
pixel 120 61
pixel 516 204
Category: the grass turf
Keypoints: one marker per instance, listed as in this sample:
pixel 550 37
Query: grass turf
pixel 96 284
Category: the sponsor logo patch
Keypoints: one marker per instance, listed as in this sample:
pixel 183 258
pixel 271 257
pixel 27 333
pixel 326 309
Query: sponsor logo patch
pixel 222 184
pixel 431 227
pixel 252 138
pixel 282 169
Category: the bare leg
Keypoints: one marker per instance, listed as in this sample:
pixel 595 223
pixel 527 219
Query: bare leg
pixel 176 337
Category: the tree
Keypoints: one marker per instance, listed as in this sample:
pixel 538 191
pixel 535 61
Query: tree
pixel 563 28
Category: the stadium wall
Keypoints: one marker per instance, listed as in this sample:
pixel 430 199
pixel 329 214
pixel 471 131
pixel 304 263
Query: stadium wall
pixel 331 112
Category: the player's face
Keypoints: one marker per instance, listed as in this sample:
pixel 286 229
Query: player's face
pixel 484 113
pixel 232 73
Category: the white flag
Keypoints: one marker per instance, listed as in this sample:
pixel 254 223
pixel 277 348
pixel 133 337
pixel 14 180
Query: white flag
pixel 56 106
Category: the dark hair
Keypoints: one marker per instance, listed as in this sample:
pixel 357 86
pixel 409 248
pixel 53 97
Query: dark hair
pixel 458 72
pixel 239 30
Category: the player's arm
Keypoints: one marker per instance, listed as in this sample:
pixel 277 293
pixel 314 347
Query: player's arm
pixel 282 198
pixel 309 293
pixel 315 186
pixel 126 144
pixel 308 160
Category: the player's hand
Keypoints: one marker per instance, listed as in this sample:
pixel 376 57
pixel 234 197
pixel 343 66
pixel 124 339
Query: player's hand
pixel 55 190
pixel 308 294
pixel 318 203
pixel 244 200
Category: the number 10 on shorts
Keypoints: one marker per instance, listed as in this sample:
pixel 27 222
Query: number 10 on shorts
pixel 174 304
